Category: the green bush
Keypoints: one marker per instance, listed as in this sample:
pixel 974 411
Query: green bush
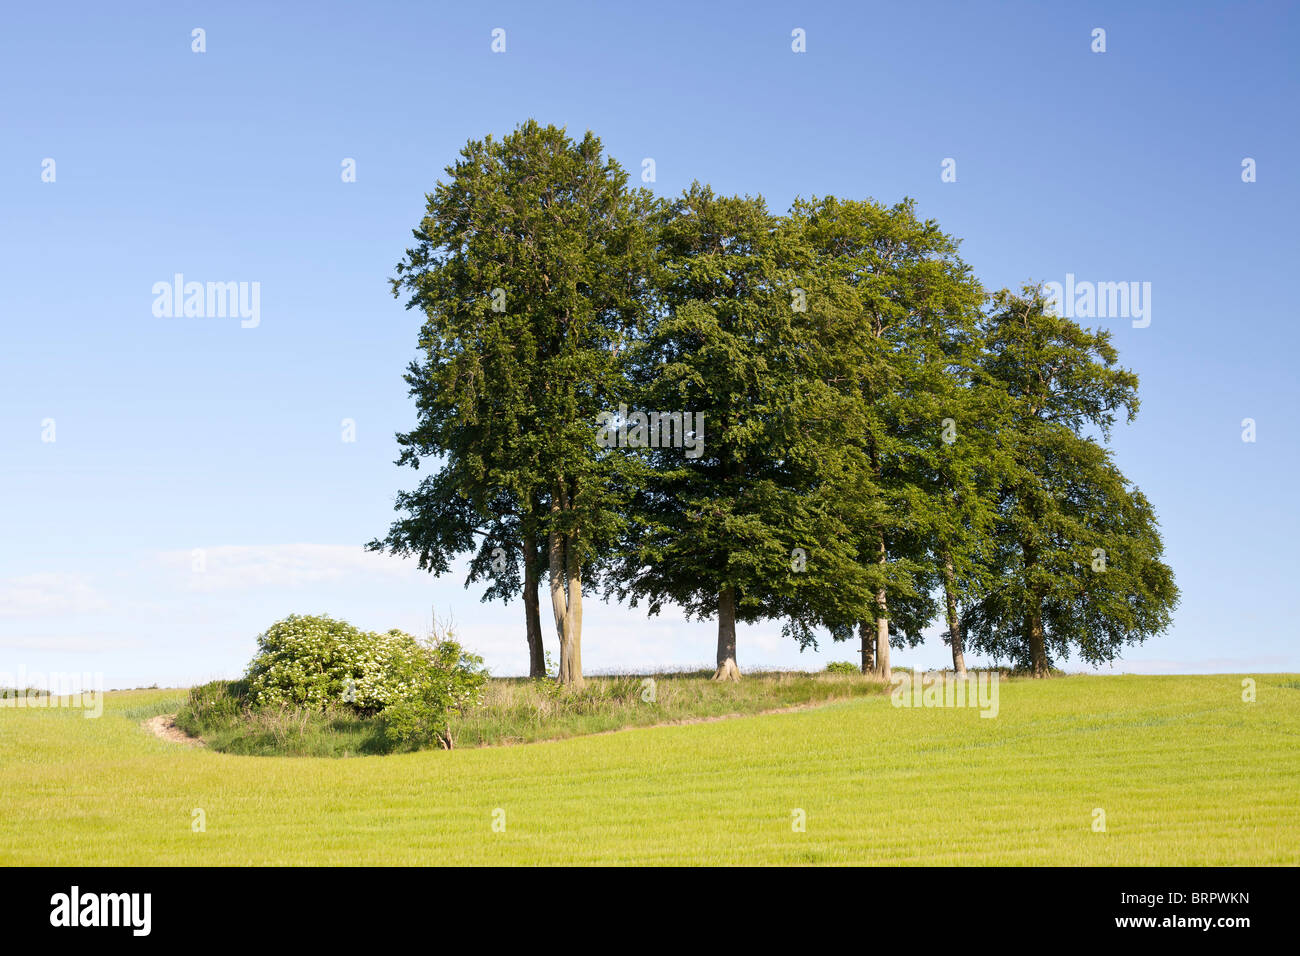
pixel 308 661
pixel 444 679
pixel 325 665
pixel 842 667
pixel 217 703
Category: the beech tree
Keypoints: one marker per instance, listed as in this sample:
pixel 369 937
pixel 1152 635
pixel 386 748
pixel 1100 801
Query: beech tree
pixel 746 530
pixel 526 270
pixel 1079 557
pixel 959 474
pixel 810 418
pixel 907 309
pixel 963 481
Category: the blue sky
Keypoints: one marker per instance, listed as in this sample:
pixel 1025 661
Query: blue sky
pixel 176 434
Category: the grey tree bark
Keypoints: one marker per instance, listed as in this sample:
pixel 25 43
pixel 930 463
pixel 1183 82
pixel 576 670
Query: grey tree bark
pixel 882 627
pixel 557 568
pixel 727 669
pixel 571 659
pixel 954 624
pixel 1037 642
pixel 1034 618
pixel 532 608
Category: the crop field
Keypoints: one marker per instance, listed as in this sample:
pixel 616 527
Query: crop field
pixel 1075 770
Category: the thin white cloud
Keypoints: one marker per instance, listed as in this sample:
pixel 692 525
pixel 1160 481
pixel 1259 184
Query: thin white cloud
pixel 250 567
pixel 64 643
pixel 48 595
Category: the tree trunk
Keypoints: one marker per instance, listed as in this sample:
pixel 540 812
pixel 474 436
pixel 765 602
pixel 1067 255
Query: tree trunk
pixel 954 625
pixel 532 608
pixel 727 669
pixel 1037 644
pixel 571 661
pixel 882 627
pixel 555 553
pixel 1034 616
pixel 882 644
pixel 868 647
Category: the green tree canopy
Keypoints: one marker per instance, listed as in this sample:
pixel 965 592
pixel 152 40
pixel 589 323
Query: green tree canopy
pixel 747 530
pixel 526 269
pixel 1079 556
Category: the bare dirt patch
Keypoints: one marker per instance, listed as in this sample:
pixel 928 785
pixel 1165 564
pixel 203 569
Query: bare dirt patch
pixel 164 726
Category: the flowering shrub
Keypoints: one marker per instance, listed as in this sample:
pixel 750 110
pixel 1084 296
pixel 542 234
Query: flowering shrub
pixel 448 680
pixel 307 661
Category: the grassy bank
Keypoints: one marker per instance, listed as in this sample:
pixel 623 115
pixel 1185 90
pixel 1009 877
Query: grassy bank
pixel 514 711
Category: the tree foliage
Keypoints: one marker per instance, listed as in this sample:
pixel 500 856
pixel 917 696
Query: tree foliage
pixel 524 268
pixel 865 440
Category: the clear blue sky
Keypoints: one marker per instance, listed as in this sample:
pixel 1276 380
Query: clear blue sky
pixel 176 434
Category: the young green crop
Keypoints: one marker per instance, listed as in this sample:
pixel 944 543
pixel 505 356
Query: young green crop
pixel 1184 770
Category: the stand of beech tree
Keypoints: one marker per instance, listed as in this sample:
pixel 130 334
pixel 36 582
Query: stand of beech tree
pixel 820 418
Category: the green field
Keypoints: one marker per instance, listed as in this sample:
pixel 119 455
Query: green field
pixel 1186 772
